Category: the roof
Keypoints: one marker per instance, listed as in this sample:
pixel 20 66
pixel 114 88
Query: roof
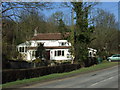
pixel 50 36
pixel 53 47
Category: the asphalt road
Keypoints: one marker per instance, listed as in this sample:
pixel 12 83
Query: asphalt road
pixel 107 78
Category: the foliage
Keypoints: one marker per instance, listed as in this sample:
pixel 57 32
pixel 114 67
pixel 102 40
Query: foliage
pixel 55 17
pixel 36 72
pixel 106 34
pixel 37 60
pixel 15 32
pixel 8 36
pixel 103 65
pixel 40 53
pixel 82 33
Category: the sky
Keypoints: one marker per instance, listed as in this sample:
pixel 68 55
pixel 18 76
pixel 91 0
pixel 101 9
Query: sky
pixel 111 7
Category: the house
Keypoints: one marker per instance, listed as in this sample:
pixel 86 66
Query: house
pixel 92 52
pixel 56 47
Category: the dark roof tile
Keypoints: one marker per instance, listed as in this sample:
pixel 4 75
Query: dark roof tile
pixel 50 36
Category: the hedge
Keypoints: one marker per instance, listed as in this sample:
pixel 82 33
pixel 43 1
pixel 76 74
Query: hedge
pixel 19 74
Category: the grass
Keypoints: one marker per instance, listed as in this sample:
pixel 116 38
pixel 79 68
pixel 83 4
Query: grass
pixel 104 64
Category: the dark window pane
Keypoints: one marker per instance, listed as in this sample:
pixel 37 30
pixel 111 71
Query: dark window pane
pixel 62 53
pixel 55 53
pixel 25 49
pixel 22 49
pixel 59 53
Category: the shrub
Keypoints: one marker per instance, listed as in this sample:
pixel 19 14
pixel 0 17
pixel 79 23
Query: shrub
pixel 18 74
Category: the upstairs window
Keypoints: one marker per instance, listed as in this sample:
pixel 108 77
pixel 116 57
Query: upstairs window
pixel 38 44
pixel 63 43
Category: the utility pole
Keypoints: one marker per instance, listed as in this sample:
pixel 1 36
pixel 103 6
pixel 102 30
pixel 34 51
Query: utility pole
pixel 118 24
pixel 72 36
pixel 119 15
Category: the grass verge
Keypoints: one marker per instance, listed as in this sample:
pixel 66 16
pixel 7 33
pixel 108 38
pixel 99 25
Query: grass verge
pixel 103 65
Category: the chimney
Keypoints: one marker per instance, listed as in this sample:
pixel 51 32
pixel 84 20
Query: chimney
pixel 35 31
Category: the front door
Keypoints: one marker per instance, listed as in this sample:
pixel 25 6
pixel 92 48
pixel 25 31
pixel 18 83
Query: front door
pixel 48 55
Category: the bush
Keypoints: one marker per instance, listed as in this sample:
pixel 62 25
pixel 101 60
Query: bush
pixel 18 74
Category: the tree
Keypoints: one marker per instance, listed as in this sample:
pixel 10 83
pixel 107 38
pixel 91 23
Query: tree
pixel 28 23
pixel 62 28
pixel 8 38
pixel 11 9
pixel 82 31
pixel 106 33
pixel 40 53
pixel 16 32
pixel 105 19
pixel 55 17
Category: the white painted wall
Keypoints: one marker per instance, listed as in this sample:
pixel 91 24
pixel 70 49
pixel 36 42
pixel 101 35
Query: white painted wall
pixel 29 55
pixel 53 57
pixel 47 43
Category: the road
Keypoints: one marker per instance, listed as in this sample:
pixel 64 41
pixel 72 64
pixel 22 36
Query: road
pixel 107 78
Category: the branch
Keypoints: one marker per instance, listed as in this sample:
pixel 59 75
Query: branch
pixel 15 7
pixel 10 15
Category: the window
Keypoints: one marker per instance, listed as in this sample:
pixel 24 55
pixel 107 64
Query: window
pixel 114 55
pixel 68 55
pixel 33 53
pixel 21 49
pixel 63 43
pixel 62 53
pixel 38 44
pixel 59 53
pixel 90 54
pixel 118 55
pixel 55 53
pixel 25 49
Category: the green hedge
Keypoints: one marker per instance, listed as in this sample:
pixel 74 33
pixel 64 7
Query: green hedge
pixel 18 74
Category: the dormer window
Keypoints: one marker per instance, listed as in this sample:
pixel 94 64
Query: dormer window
pixel 63 43
pixel 38 44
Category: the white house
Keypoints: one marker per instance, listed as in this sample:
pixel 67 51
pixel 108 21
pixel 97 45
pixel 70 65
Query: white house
pixel 92 52
pixel 56 47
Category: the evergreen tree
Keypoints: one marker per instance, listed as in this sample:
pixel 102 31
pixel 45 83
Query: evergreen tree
pixel 40 53
pixel 62 28
pixel 82 31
